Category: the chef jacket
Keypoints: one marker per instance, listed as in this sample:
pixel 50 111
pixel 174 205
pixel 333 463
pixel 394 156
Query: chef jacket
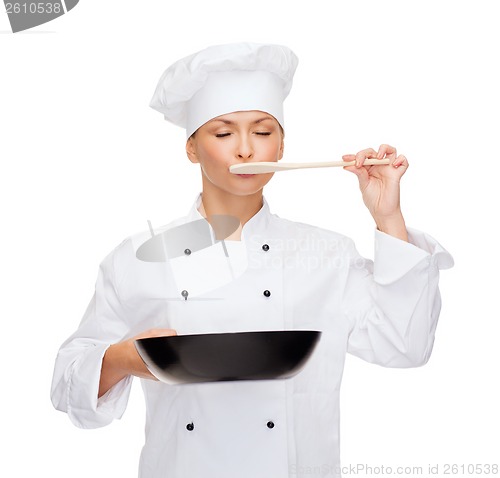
pixel 295 276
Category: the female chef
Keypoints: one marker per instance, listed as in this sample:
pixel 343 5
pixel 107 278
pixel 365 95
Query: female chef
pixel 274 274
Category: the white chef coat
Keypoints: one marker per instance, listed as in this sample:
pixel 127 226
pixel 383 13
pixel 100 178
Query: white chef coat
pixel 384 311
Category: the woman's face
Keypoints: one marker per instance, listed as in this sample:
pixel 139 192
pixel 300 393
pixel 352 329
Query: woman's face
pixel 234 138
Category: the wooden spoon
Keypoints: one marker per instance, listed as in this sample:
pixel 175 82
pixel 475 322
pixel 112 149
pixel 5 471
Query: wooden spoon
pixel 272 167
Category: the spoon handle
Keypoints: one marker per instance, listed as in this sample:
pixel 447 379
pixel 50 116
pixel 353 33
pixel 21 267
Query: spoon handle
pixel 271 167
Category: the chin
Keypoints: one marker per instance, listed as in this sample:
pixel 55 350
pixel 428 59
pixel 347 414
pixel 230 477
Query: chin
pixel 252 187
pixel 244 192
pixel 246 186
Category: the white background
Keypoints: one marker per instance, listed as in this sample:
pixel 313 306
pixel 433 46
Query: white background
pixel 85 162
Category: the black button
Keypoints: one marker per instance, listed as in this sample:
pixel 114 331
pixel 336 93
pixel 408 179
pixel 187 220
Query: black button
pixel 270 424
pixel 190 427
pixel 265 247
pixel 187 252
pixel 267 293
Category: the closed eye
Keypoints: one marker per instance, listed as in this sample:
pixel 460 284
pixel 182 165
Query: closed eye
pixel 222 135
pixel 266 133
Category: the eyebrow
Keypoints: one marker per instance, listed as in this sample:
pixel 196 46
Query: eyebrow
pixel 260 120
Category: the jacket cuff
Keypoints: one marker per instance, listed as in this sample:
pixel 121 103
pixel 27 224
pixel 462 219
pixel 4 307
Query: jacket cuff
pixel 84 408
pixel 394 258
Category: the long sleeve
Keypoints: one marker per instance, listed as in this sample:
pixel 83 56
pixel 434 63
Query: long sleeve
pixel 393 304
pixel 78 364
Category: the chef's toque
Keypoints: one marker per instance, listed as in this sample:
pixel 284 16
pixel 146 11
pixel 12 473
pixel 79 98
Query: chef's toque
pixel 224 79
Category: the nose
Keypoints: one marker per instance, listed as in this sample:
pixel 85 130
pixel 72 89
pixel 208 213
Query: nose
pixel 245 148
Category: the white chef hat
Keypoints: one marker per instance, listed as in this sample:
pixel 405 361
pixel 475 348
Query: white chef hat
pixel 223 79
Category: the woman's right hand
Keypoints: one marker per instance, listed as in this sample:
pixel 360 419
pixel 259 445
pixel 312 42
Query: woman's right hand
pixel 122 359
pixel 134 364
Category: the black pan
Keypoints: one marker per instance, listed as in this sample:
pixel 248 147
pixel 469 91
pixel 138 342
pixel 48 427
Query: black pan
pixel 229 356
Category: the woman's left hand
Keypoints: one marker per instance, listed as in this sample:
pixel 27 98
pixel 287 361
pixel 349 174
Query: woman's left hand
pixel 379 186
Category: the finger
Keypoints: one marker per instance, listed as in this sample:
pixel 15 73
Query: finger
pixel 400 161
pixel 386 149
pixel 362 155
pixel 348 157
pixel 361 173
pixel 157 333
pixel 166 332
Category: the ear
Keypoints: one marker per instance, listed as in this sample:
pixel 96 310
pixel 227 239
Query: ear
pixel 282 148
pixel 191 150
